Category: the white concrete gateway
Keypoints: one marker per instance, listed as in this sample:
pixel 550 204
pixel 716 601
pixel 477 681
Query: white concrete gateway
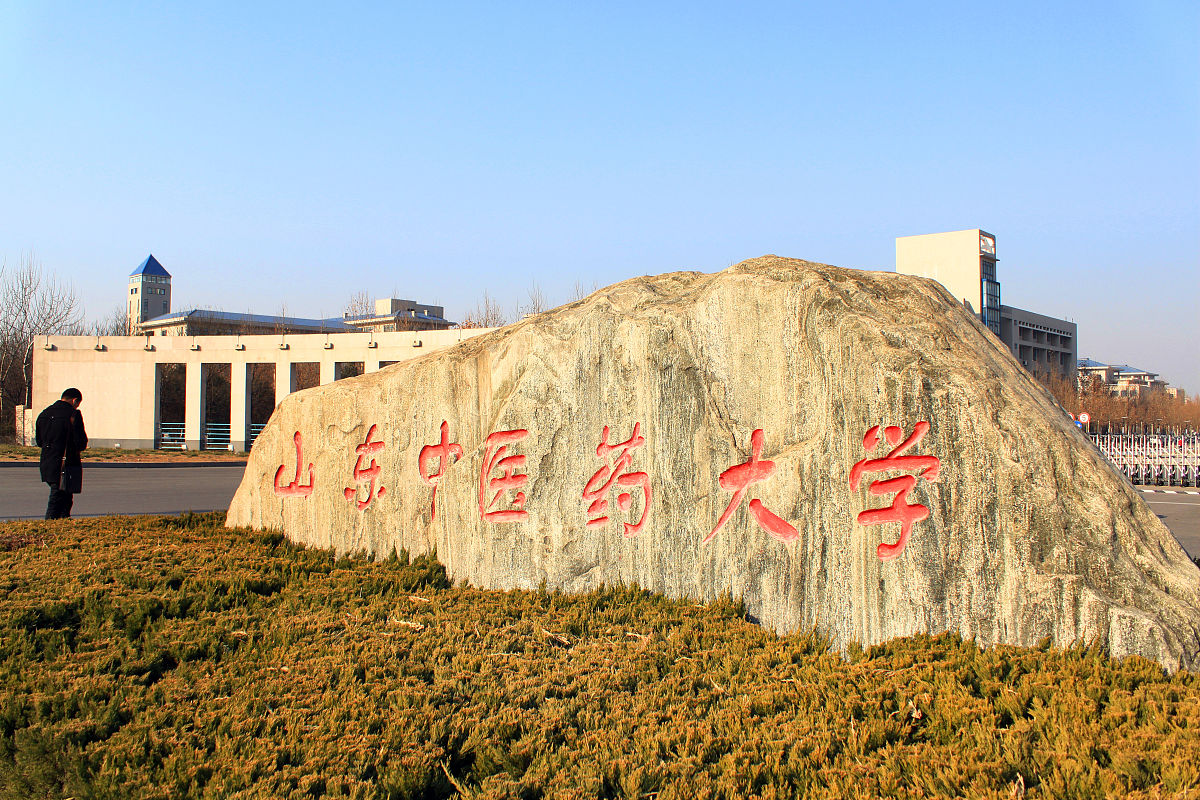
pixel 120 376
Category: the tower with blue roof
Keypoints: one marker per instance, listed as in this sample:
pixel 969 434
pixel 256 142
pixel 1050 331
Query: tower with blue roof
pixel 149 293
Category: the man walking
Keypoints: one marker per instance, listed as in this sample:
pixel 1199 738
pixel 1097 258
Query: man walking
pixel 59 432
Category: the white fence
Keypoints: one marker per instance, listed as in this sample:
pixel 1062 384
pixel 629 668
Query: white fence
pixel 1153 459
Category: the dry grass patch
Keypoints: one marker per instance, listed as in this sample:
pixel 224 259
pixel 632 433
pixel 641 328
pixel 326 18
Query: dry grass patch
pixel 168 657
pixel 16 452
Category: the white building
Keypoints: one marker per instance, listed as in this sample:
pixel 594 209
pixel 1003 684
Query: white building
pixel 1123 380
pixel 965 263
pixel 123 379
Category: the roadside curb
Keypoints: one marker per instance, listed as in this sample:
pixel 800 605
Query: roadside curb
pixel 135 464
pixel 125 514
pixel 1147 490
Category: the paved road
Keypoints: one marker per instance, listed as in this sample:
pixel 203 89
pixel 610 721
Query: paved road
pixel 125 489
pixel 1180 510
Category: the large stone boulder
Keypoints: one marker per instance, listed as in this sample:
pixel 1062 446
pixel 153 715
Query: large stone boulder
pixel 842 449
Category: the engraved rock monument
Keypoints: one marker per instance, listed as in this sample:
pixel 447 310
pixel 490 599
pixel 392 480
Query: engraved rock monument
pixel 838 448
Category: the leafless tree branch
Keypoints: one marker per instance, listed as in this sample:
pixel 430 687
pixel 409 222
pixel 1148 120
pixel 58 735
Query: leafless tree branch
pixel 32 303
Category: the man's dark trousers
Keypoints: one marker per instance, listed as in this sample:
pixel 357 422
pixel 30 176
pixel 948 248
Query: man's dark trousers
pixel 59 506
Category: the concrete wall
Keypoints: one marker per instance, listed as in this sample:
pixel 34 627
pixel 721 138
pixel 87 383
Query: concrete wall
pixel 118 374
pixel 25 417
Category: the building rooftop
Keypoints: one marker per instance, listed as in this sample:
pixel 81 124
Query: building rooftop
pixel 1124 369
pixel 197 314
pixel 417 315
pixel 150 267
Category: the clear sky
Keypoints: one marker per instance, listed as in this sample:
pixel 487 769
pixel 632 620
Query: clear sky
pixel 291 154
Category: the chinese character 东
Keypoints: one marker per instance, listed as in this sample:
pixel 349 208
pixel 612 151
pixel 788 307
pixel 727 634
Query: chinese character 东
pixel 366 474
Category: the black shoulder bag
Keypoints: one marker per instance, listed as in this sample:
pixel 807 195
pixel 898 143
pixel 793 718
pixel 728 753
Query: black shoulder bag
pixel 62 467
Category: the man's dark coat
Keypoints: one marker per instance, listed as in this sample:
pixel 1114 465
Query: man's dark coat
pixel 59 428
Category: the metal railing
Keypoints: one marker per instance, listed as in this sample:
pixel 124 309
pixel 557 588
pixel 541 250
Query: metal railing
pixel 252 432
pixel 214 436
pixel 1153 459
pixel 170 436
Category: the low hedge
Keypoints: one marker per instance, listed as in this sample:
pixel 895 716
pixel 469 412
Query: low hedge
pixel 168 657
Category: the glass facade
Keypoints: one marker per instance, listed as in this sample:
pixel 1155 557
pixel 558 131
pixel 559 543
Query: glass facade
pixel 989 294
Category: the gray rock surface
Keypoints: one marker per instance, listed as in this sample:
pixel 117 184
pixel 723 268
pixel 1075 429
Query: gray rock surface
pixel 1029 533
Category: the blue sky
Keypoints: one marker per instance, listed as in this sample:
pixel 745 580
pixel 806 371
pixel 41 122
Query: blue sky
pixel 293 154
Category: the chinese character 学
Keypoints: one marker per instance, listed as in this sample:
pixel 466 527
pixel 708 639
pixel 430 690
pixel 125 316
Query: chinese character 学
pixel 738 478
pixel 614 471
pixel 907 514
pixel 295 488
pixel 366 474
pixel 494 449
pixel 439 454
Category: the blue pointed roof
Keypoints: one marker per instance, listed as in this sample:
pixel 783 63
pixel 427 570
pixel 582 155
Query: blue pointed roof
pixel 150 267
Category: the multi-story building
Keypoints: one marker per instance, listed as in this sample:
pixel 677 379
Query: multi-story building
pixel 965 263
pixel 962 261
pixel 149 293
pixel 1042 344
pixel 1122 379
pixel 394 314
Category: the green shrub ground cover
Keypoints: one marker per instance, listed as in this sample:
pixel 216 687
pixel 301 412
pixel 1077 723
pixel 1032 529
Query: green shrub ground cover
pixel 168 657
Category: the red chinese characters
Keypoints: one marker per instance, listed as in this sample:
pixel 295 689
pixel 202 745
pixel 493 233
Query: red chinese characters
pixel 492 489
pixel 907 514
pixel 614 471
pixel 738 480
pixel 367 474
pixel 439 454
pixel 295 488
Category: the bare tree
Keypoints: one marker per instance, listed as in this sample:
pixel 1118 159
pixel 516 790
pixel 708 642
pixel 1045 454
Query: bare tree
pixel 487 314
pixel 582 291
pixel 359 305
pixel 537 302
pixel 115 323
pixel 1109 411
pixel 32 303
pixel 280 317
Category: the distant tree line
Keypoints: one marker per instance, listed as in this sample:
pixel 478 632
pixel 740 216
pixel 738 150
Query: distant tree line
pixel 1149 411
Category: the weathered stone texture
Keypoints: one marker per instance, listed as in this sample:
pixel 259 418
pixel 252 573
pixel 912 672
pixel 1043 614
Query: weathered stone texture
pixel 1030 534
